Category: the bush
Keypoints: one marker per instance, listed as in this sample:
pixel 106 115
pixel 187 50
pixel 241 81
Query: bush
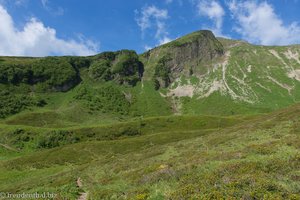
pixel 108 99
pixel 79 62
pixel 12 103
pixel 130 131
pixel 18 138
pixel 162 71
pixel 57 138
pixel 51 71
pixel 100 70
pixel 123 67
pixel 55 72
pixel 126 63
pixel 156 84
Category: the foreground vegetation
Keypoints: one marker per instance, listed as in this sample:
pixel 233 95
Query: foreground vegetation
pixel 159 158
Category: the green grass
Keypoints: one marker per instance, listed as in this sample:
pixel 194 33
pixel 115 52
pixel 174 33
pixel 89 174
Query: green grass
pixel 33 138
pixel 148 102
pixel 49 164
pixel 192 157
pixel 223 105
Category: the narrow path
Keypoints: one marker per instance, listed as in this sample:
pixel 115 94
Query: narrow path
pixel 83 195
pixel 8 147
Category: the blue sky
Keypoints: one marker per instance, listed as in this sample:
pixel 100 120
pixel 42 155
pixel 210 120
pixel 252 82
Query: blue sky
pixel 86 27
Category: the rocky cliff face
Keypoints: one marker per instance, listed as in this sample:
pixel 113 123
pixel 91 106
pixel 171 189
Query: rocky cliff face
pixel 202 48
pixel 191 54
pixel 235 73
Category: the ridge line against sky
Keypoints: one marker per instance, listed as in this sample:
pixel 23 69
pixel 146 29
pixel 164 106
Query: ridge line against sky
pixel 65 27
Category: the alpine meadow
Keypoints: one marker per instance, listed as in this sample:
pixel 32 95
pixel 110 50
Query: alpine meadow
pixel 198 117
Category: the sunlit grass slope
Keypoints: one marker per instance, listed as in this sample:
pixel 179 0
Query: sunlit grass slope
pixel 168 158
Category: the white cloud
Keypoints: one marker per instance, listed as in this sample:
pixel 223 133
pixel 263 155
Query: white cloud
pixel 179 2
pixel 146 47
pixel 154 18
pixel 150 14
pixel 161 41
pixel 15 2
pixel 37 40
pixel 214 11
pixel 258 23
pixel 164 40
pixel 50 9
pixel 20 2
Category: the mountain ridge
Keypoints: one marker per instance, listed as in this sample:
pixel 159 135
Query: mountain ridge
pixel 185 76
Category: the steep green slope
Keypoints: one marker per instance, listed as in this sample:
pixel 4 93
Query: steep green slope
pixel 29 83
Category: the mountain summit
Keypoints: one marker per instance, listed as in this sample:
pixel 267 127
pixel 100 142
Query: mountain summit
pixel 224 72
pixel 190 54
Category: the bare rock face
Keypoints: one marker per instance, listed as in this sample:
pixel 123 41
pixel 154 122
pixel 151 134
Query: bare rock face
pixel 196 52
pixel 187 55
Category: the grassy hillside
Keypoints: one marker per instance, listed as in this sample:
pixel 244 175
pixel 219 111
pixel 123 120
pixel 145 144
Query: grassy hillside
pixel 30 83
pixel 159 158
pixel 195 74
pixel 197 118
